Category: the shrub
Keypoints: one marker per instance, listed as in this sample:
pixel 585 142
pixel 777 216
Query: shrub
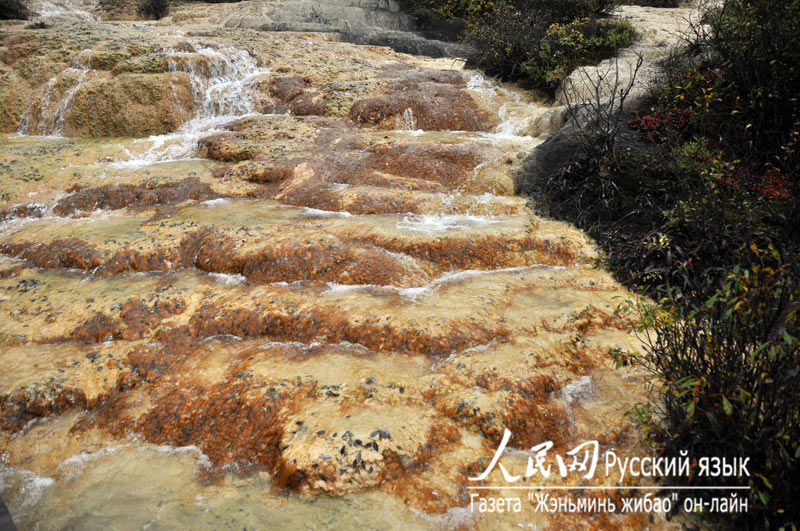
pixel 541 41
pixel 450 9
pixel 725 372
pixel 552 10
pixel 577 43
pixel 602 7
pixel 722 343
pixel 152 9
pixel 507 34
pixel 715 179
pixel 505 38
pixel 436 19
pixel 663 124
pixel 684 224
pixel 753 64
pixel 682 212
pixel 13 10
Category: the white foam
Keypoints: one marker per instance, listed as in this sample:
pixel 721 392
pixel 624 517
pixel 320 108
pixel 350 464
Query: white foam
pixel 467 351
pixel 515 113
pixel 74 466
pixel 478 82
pixel 216 202
pixel 284 284
pixel 515 118
pixel 178 146
pixel 224 88
pixel 309 346
pixel 221 337
pixel 38 421
pixel 14 222
pixel 415 293
pixel 406 121
pixel 28 486
pixel 316 213
pixel 40 209
pixel 579 390
pixel 482 88
pixel 453 518
pixel 333 287
pixel 487 198
pixel 445 222
pixel 228 279
pixel 63 8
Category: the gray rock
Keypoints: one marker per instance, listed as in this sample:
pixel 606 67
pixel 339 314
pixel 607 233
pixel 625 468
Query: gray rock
pixel 370 22
pixel 564 148
pixel 547 159
pixel 591 87
pixel 406 42
pixel 328 15
pixel 549 122
pixel 6 524
pixel 659 30
pixel 600 82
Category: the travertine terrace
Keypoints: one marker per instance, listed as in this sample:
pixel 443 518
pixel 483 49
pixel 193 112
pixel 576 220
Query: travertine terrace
pixel 310 296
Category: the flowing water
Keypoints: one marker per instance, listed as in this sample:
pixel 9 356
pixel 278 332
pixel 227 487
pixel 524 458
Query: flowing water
pixel 72 9
pixel 47 117
pixel 223 82
pixel 278 317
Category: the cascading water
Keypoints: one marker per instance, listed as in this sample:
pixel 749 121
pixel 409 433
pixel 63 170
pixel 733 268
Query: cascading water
pixel 515 113
pixel 207 344
pixel 223 87
pixel 75 9
pixel 407 122
pixel 49 117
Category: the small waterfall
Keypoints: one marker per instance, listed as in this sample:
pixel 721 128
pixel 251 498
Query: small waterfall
pixel 406 121
pixel 220 78
pixel 515 113
pixel 223 85
pixel 75 9
pixel 49 117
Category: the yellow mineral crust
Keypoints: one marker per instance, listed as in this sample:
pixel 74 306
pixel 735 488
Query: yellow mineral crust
pixel 326 308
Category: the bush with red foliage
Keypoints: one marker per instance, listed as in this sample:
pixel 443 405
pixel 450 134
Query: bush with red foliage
pixel 663 124
pixel 771 185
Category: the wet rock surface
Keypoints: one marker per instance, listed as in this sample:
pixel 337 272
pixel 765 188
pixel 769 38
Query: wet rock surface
pixel 660 32
pixel 375 23
pixel 317 280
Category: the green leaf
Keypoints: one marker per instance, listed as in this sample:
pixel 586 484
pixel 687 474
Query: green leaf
pixel 764 498
pixel 727 406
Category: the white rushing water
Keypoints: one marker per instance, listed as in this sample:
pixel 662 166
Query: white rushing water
pixel 413 294
pixel 515 113
pixel 223 83
pixel 23 485
pixel 445 222
pixel 49 117
pixel 75 9
pixel 227 279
